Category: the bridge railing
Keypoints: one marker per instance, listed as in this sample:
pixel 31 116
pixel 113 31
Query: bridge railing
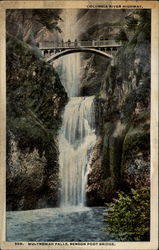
pixel 75 44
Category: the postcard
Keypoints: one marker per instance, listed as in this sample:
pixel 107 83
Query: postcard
pixel 79 124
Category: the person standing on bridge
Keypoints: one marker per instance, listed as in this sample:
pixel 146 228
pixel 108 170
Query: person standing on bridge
pixel 69 42
pixel 76 43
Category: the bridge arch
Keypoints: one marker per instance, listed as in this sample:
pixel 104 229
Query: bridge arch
pixel 76 50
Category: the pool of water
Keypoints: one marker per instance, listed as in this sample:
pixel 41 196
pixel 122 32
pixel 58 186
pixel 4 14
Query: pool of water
pixel 57 224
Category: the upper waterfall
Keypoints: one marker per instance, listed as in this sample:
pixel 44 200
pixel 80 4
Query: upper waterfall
pixel 71 64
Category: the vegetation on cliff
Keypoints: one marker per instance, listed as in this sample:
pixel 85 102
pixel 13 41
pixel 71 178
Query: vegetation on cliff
pixel 31 97
pixel 35 99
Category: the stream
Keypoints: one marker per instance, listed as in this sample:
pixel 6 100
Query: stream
pixel 78 224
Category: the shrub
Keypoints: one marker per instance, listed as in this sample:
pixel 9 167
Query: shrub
pixel 128 216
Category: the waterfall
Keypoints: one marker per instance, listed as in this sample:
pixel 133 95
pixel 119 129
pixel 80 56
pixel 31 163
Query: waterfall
pixel 77 134
pixel 76 139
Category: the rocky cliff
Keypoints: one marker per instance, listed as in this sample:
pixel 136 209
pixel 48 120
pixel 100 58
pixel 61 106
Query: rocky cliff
pixel 34 25
pixel 121 157
pixel 35 99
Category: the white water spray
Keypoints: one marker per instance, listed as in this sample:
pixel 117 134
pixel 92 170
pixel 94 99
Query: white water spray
pixel 77 135
pixel 76 140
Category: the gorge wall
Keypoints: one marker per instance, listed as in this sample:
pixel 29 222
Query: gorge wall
pixel 121 157
pixel 35 99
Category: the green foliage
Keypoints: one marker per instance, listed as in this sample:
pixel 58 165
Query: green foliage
pixel 141 95
pixel 128 217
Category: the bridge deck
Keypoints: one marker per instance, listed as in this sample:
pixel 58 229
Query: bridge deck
pixel 78 44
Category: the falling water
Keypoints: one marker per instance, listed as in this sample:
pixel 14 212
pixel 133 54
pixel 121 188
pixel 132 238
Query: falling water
pixel 77 137
pixel 77 134
pixel 71 64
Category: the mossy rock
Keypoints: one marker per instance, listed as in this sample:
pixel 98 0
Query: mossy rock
pixel 136 140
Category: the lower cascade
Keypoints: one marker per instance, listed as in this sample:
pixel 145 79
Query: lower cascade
pixel 76 140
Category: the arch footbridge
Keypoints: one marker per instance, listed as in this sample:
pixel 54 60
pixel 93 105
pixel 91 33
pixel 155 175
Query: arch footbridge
pixel 52 51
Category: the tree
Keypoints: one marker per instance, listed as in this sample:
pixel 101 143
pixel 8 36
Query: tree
pixel 128 217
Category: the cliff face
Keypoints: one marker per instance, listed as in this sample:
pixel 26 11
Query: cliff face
pixel 97 25
pixel 34 25
pixel 121 157
pixel 100 23
pixel 35 99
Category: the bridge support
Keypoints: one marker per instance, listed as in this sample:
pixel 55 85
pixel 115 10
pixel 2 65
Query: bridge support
pixel 112 62
pixel 42 52
pixel 111 51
